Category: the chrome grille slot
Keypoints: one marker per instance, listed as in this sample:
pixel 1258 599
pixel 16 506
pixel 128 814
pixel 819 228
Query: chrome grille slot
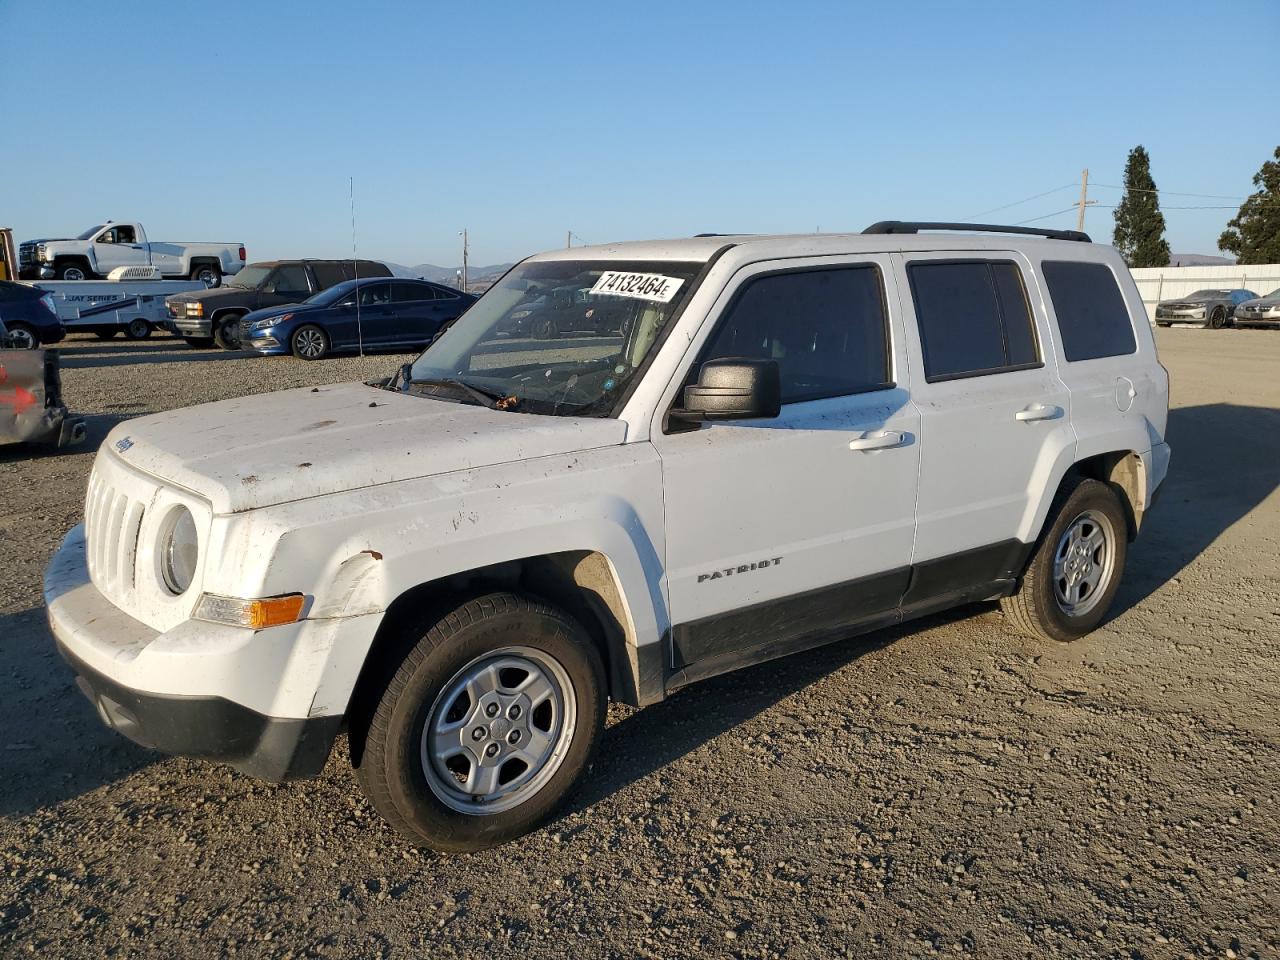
pixel 112 522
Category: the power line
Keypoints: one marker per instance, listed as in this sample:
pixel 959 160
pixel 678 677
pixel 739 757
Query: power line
pixel 974 216
pixel 1172 193
pixel 1047 215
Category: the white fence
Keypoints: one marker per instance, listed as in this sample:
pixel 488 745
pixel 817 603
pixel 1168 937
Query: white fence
pixel 1165 283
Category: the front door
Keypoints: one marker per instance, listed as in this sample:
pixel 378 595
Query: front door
pixel 117 246
pixel 781 531
pixel 994 417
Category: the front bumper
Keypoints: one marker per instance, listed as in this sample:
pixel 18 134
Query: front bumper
pixel 103 644
pixel 1271 320
pixel 1197 321
pixel 196 327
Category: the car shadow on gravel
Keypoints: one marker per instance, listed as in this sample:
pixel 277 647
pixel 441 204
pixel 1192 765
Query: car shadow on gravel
pixel 97 426
pixel 650 739
pixel 53 746
pixel 1226 461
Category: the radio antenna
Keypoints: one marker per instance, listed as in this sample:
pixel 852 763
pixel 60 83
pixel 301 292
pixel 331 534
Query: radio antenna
pixel 355 263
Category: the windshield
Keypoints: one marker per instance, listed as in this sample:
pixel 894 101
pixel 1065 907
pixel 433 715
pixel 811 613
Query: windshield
pixel 560 337
pixel 250 278
pixel 334 294
pixel 89 233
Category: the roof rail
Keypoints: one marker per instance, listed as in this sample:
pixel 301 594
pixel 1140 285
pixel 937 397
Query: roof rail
pixel 699 236
pixel 912 226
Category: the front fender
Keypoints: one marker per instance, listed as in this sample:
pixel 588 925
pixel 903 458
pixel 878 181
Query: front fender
pixel 353 554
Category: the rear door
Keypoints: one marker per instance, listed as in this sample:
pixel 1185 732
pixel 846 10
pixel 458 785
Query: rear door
pixel 417 313
pixel 994 416
pixel 781 531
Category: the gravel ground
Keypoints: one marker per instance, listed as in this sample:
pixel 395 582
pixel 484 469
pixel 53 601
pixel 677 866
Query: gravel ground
pixel 949 787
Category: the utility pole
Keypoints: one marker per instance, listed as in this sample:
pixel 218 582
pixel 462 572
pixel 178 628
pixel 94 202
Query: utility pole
pixel 465 253
pixel 1084 198
pixel 568 239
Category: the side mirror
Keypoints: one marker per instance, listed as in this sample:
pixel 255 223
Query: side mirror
pixel 734 388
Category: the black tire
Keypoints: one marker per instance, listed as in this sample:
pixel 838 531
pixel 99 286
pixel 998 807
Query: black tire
pixel 208 273
pixel 105 334
pixel 309 342
pixel 23 337
pixel 543 330
pixel 199 343
pixel 78 270
pixel 1037 608
pixel 138 329
pixel 1166 325
pixel 1217 318
pixel 391 769
pixel 226 331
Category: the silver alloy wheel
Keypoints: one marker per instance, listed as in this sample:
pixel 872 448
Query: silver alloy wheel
pixel 22 338
pixel 499 730
pixel 208 276
pixel 310 343
pixel 73 273
pixel 1084 563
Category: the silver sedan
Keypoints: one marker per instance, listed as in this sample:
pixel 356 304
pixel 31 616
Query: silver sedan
pixel 1261 312
pixel 1205 308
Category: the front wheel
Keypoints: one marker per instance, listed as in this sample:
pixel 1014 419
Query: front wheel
pixel 309 342
pixel 73 271
pixel 1074 574
pixel 1217 318
pixel 485 726
pixel 227 333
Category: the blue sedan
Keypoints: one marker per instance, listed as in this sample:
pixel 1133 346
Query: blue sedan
pixel 378 313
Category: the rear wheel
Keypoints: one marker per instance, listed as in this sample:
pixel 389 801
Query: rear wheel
pixel 485 726
pixel 138 329
pixel 210 274
pixel 23 337
pixel 1074 574
pixel 309 342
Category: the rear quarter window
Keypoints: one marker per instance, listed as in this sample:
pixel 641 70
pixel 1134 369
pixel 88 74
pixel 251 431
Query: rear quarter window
pixel 1093 320
pixel 328 274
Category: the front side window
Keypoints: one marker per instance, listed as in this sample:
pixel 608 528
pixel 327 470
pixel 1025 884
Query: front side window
pixel 826 329
pixel 1092 317
pixel 973 316
pixel 375 294
pixel 559 337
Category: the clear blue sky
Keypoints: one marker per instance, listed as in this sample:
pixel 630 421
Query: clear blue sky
pixel 243 121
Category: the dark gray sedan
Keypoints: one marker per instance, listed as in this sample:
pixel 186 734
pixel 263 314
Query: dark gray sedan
pixel 1262 312
pixel 1211 308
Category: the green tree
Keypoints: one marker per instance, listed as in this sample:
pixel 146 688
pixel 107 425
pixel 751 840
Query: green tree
pixel 1253 234
pixel 1139 234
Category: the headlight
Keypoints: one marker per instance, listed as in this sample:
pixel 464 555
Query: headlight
pixel 195 309
pixel 270 322
pixel 179 551
pixel 42 252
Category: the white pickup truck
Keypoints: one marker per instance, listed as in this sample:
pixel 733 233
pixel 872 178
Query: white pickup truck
pixel 102 248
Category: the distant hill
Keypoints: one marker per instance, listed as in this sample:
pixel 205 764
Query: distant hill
pixel 1198 260
pixel 431 271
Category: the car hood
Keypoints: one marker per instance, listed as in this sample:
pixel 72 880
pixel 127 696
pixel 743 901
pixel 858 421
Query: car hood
pixel 266 313
pixel 215 295
pixel 273 448
pixel 1194 300
pixel 1262 302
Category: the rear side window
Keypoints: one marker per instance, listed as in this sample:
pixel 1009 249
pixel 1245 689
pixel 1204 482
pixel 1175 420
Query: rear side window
pixel 974 318
pixel 329 274
pixel 826 329
pixel 1092 317
pixel 402 292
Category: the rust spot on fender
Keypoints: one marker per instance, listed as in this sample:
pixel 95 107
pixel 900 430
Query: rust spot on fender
pixel 251 478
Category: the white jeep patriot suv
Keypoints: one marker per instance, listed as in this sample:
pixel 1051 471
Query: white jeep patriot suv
pixel 730 449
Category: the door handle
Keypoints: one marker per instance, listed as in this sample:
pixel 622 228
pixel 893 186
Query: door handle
pixel 1038 411
pixel 878 441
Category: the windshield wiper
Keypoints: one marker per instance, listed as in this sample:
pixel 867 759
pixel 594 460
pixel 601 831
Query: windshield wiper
pixel 487 398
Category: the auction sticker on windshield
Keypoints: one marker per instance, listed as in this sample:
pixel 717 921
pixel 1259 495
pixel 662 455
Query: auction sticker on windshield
pixel 643 286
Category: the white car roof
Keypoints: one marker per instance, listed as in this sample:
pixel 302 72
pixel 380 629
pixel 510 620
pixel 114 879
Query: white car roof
pixel 766 247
